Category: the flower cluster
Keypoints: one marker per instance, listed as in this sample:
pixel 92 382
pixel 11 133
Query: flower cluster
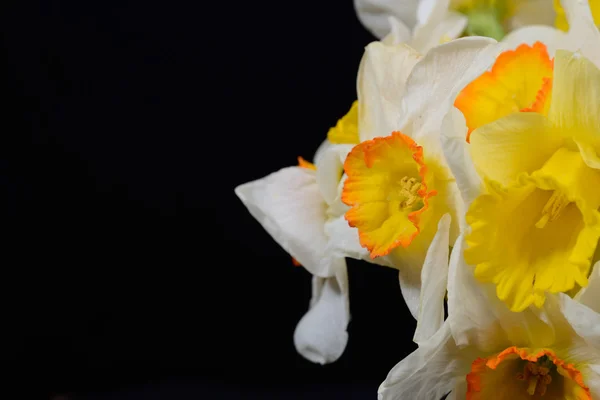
pixel 470 163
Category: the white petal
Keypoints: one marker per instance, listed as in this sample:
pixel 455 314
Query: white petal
pixel 582 348
pixel 434 280
pixel 429 372
pixel 456 152
pixel 583 320
pixel 438 78
pixel 337 208
pixel 399 33
pixel 548 35
pixel 330 167
pixel 590 295
pixel 323 147
pixel 344 242
pixel 436 25
pixel 373 14
pixel 290 207
pixel 381 82
pixel 592 380
pixel 409 277
pixel 479 318
pixel 321 335
pixel 431 9
pixel 583 36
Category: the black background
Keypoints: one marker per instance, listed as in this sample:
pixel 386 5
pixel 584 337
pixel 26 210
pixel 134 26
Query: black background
pixel 130 268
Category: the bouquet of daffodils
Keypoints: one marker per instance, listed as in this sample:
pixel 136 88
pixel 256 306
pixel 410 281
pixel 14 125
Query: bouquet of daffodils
pixel 470 163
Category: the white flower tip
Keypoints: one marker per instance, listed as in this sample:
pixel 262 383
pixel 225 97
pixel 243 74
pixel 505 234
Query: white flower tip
pixel 321 335
pixel 317 347
pixel 312 355
pixel 242 192
pixel 238 192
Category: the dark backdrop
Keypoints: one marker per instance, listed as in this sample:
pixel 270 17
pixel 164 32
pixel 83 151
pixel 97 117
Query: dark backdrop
pixel 129 266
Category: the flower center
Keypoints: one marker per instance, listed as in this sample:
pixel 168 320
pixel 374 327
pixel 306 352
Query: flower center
pixel 553 208
pixel 537 375
pixel 543 374
pixel 409 192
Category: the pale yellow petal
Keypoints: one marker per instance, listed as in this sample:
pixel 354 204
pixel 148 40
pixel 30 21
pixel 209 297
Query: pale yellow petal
pixel 519 142
pixel 575 106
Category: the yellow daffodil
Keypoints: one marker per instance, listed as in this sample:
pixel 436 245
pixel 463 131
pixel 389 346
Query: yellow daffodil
pixel 295 206
pixel 485 351
pixel 533 211
pixel 536 228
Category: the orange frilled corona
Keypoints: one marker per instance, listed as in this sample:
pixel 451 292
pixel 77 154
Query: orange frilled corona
pixel 387 190
pixel 519 81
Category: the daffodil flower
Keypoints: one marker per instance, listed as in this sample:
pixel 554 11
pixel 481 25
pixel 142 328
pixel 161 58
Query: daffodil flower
pixel 485 351
pixel 421 25
pixel 533 205
pixel 403 199
pixel 434 20
pixel 295 205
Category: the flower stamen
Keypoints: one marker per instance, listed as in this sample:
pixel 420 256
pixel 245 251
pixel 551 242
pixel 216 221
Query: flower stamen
pixel 409 192
pixel 537 375
pixel 553 209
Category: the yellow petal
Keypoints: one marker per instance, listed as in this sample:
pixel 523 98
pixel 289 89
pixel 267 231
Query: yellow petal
pixel 346 129
pixel 520 142
pixel 520 80
pixel 539 234
pixel 576 102
pixel 387 189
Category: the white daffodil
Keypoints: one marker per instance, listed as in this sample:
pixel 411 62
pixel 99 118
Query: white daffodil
pixel 485 351
pixel 295 205
pixel 435 20
pixel 403 199
pixel 421 25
